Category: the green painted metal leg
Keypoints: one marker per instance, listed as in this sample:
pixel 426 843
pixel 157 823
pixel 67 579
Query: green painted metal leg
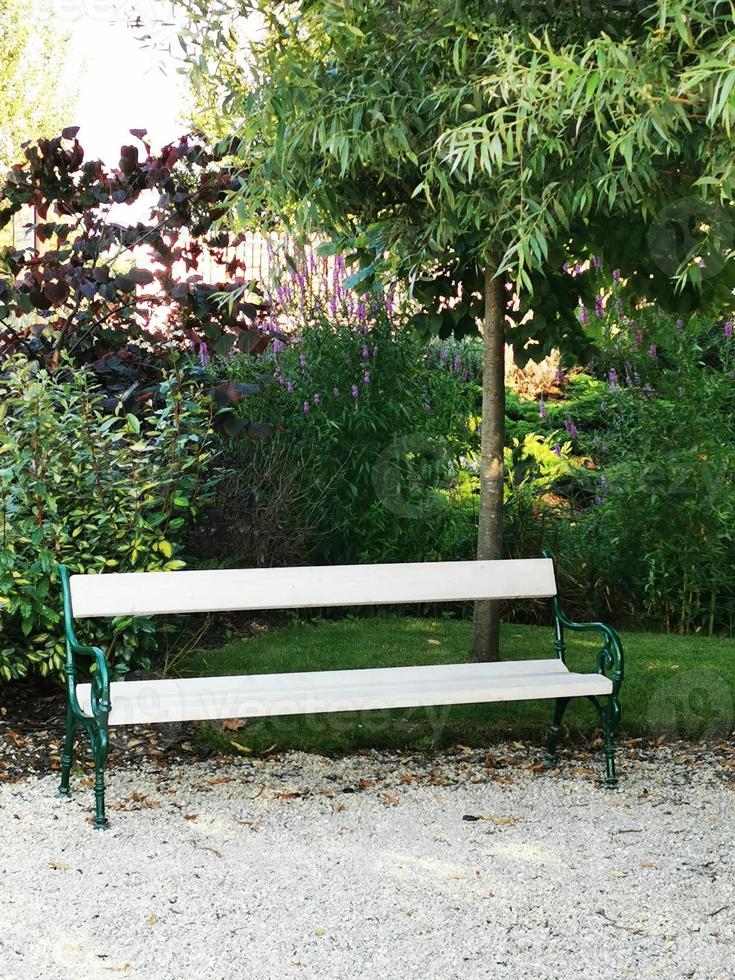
pixel 610 719
pixel 67 754
pixel 609 716
pixel 101 748
pixel 555 731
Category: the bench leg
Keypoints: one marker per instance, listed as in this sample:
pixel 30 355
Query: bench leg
pixel 609 716
pixel 610 723
pixel 101 749
pixel 68 753
pixel 555 731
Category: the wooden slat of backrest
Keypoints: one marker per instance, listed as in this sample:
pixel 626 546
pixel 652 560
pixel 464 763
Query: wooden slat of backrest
pixel 149 593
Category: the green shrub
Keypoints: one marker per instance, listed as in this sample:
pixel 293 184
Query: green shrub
pixel 96 491
pixel 377 421
pixel 664 527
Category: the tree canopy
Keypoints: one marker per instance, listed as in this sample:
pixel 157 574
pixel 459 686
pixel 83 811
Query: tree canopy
pixel 32 55
pixel 445 134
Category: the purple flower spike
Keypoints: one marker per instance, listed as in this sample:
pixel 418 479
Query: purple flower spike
pixel 679 326
pixel 599 501
pixel 354 391
pixel 366 377
pixel 307 407
pixel 616 275
pixel 365 353
pixel 597 262
pixel 559 376
pixel 335 392
pixel 289 387
pixel 571 428
pixel 612 377
pixel 652 351
pixel 277 346
pixel 542 410
pixel 317 399
pixel 584 317
pixel 599 307
pixel 302 362
pixel 728 328
pixel 556 448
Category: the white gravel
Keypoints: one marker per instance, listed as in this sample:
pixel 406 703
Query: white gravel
pixel 279 872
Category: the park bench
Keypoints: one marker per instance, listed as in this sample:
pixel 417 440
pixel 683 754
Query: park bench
pixel 100 704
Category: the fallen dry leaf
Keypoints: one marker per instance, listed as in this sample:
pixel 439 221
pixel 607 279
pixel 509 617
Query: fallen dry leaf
pixel 191 816
pixel 240 747
pixel 366 783
pixel 58 866
pixel 211 850
pixel 251 824
pixel 389 800
pixel 234 724
pixel 407 778
pixel 219 780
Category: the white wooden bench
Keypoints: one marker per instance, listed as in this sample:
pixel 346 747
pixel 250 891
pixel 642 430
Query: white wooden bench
pixel 100 704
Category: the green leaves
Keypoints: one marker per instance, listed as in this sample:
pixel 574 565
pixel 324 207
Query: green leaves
pixel 453 135
pixel 93 491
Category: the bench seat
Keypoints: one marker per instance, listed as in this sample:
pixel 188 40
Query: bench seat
pixel 264 695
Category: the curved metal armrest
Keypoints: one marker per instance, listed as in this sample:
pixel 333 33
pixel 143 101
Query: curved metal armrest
pixel 610 658
pixel 100 678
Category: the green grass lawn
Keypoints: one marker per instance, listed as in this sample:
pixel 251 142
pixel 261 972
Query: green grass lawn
pixel 679 686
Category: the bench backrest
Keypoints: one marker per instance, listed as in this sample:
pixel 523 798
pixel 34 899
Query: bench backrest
pixel 149 593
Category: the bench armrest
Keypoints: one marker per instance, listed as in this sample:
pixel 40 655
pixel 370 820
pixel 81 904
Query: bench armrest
pixel 100 678
pixel 610 657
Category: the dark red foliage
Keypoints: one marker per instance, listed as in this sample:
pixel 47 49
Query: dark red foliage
pixel 98 280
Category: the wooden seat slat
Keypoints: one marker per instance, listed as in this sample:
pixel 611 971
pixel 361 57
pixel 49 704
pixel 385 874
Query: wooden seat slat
pixel 152 593
pixel 311 692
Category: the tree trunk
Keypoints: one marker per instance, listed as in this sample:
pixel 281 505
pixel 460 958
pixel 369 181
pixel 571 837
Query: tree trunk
pixel 486 623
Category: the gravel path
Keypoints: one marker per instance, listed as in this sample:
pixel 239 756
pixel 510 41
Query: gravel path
pixel 460 866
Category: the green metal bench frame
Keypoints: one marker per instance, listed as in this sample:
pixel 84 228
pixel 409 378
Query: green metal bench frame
pixel 94 725
pixel 610 662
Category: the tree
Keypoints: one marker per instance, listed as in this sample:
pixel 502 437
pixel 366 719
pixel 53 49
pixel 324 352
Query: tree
pixel 32 54
pixel 463 144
